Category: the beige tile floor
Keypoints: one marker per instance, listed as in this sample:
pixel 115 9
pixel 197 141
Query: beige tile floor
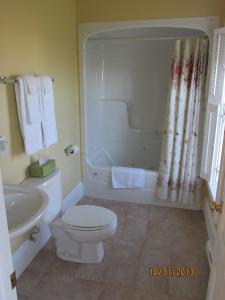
pixel 147 236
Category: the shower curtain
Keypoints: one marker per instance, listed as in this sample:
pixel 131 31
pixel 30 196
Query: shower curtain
pixel 179 161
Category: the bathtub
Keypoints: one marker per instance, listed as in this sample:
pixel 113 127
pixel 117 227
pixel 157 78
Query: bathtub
pixel 98 185
pixel 97 182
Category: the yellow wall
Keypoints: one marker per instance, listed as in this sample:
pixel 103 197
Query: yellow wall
pixel 39 37
pixel 108 10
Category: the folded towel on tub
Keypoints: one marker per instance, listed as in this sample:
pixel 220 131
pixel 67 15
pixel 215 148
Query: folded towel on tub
pixel 127 178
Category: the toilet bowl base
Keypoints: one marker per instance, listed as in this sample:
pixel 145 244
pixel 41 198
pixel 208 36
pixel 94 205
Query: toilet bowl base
pixel 80 246
pixel 83 253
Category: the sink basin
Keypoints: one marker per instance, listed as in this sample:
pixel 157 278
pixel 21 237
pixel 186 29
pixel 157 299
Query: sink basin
pixel 24 208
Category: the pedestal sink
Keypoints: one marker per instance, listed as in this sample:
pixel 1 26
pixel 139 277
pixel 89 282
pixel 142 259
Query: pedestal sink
pixel 24 208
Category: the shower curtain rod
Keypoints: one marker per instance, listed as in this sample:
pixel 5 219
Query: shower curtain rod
pixel 6 80
pixel 151 38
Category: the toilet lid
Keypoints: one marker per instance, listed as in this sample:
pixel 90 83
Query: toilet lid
pixel 88 216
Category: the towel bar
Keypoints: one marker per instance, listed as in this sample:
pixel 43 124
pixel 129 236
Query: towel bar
pixel 6 80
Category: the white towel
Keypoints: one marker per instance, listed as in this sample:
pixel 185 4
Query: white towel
pixel 127 178
pixel 48 112
pixel 30 129
pixel 32 98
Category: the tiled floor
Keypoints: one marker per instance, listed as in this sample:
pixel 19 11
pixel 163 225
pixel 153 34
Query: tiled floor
pixel 147 236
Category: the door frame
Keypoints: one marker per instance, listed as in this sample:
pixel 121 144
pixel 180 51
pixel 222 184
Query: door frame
pixel 219 239
pixel 6 265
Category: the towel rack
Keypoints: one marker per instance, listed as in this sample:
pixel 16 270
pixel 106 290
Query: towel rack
pixel 6 80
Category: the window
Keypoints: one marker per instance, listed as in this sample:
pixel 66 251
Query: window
pixel 215 114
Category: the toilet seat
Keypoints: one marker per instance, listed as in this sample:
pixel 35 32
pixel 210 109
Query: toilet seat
pixel 88 218
pixel 87 228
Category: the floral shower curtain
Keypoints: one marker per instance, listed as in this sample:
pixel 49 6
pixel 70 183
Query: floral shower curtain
pixel 179 162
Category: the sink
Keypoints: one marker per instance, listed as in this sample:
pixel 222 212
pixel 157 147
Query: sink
pixel 24 208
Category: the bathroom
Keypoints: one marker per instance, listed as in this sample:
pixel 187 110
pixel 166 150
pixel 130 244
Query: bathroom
pixel 54 38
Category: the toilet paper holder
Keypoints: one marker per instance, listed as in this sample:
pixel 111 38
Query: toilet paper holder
pixel 3 145
pixel 72 150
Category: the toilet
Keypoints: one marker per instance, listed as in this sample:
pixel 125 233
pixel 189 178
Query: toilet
pixel 78 232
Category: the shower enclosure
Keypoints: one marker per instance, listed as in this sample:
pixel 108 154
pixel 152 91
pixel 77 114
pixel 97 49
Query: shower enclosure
pixel 125 85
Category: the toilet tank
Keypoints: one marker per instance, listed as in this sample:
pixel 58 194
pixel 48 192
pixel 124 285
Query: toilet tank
pixel 53 187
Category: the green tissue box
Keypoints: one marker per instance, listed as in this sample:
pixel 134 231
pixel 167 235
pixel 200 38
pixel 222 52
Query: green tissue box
pixel 44 170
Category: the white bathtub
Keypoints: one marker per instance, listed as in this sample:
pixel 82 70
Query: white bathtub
pixel 97 181
pixel 98 184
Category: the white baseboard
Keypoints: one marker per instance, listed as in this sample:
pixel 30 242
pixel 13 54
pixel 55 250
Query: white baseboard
pixel 24 255
pixel 209 255
pixel 211 230
pixel 209 222
pixel 73 197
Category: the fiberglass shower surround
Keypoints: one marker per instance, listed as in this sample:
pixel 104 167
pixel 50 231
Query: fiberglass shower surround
pixel 127 76
pixel 127 88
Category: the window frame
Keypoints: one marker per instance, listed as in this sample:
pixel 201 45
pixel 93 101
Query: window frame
pixel 215 115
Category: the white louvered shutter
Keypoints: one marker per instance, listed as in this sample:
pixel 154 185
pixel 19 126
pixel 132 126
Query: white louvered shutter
pixel 214 121
pixel 217 71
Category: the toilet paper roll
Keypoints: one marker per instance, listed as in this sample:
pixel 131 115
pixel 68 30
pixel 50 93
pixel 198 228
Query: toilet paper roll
pixel 72 150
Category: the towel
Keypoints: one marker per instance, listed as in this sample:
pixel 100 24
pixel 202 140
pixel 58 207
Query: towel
pixel 127 178
pixel 32 98
pixel 48 112
pixel 30 127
